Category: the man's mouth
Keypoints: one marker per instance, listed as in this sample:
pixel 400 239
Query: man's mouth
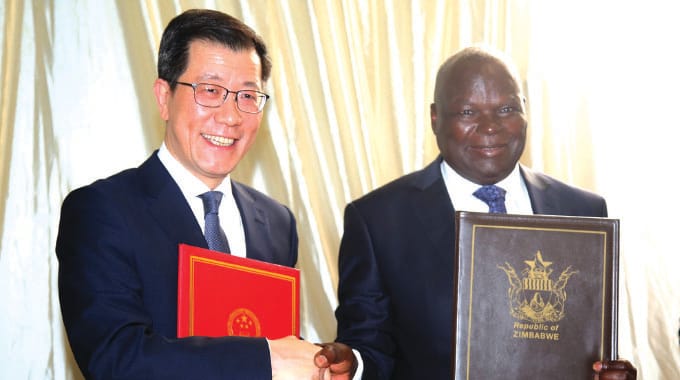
pixel 489 150
pixel 218 140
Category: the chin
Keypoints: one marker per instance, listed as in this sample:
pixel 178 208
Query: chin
pixel 489 177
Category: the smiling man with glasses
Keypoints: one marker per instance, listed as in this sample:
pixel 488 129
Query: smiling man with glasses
pixel 118 237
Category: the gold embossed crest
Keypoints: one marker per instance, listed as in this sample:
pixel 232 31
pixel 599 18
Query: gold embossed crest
pixel 535 297
pixel 243 322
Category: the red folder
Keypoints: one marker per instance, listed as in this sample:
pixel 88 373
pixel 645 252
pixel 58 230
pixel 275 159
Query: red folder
pixel 223 295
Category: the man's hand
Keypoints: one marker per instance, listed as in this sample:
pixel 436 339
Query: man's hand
pixel 614 370
pixel 293 359
pixel 336 359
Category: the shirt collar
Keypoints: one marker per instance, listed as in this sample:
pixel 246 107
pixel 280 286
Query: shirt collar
pixel 461 191
pixel 188 183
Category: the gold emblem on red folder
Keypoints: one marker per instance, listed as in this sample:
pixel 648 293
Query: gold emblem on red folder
pixel 535 297
pixel 243 322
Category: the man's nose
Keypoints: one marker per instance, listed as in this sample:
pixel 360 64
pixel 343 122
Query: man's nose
pixel 489 123
pixel 228 112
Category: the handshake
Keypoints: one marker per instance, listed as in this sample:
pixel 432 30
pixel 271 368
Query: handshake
pixel 336 361
pixel 291 358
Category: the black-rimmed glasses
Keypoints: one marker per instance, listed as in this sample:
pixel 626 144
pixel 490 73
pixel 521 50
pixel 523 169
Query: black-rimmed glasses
pixel 213 96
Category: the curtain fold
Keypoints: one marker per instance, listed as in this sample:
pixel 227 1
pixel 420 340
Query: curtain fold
pixel 351 88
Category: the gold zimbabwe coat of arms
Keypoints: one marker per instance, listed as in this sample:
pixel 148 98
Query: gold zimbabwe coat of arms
pixel 535 297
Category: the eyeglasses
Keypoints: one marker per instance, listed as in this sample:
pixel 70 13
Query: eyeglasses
pixel 213 96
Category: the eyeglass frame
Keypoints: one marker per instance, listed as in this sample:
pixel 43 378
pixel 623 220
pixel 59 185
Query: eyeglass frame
pixel 224 99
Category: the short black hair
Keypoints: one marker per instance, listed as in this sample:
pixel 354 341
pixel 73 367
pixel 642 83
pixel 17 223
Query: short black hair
pixel 206 25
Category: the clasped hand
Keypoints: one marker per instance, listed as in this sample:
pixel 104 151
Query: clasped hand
pixel 290 359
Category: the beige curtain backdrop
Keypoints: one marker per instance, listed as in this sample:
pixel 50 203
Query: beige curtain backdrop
pixel 351 86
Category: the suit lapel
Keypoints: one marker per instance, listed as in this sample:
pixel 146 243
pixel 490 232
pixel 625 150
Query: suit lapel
pixel 542 201
pixel 255 223
pixel 434 210
pixel 167 204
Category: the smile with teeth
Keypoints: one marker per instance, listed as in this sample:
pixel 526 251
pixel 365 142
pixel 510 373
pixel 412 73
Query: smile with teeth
pixel 218 140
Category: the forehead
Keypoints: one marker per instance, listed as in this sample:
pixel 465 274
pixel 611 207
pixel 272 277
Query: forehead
pixel 212 60
pixel 478 76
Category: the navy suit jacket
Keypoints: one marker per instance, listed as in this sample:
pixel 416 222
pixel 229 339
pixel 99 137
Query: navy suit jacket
pixel 396 268
pixel 118 255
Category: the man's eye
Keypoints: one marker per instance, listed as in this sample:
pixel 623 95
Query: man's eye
pixel 210 90
pixel 246 95
pixel 508 109
pixel 467 112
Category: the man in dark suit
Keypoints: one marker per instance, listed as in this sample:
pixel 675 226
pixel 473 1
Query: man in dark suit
pixel 396 259
pixel 118 237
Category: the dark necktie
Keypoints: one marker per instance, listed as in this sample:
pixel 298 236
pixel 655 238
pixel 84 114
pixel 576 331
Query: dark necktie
pixel 217 240
pixel 493 196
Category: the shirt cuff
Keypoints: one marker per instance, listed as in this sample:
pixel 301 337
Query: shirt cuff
pixel 360 365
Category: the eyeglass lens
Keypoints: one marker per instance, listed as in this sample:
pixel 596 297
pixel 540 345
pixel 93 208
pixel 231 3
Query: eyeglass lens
pixel 211 95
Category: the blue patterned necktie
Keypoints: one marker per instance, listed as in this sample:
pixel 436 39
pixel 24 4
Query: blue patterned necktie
pixel 493 196
pixel 217 240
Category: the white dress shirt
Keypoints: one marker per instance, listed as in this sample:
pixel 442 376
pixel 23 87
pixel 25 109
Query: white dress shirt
pixel 461 192
pixel 192 187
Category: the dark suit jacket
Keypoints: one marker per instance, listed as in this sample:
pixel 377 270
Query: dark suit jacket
pixel 117 250
pixel 396 269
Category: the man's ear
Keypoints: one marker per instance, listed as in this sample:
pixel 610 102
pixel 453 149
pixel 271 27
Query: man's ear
pixel 433 117
pixel 161 88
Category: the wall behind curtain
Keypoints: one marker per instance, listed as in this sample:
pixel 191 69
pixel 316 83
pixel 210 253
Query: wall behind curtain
pixel 351 87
